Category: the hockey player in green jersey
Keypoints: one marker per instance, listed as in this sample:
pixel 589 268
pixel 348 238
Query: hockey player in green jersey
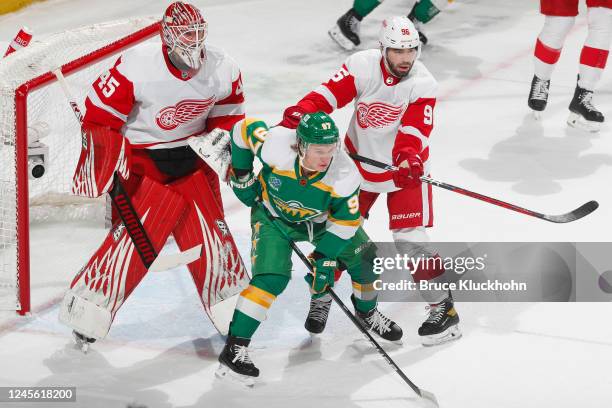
pixel 309 188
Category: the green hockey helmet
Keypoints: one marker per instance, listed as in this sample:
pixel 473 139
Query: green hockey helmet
pixel 317 128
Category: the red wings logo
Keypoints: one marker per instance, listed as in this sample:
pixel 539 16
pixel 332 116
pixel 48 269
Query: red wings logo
pixel 377 114
pixel 171 117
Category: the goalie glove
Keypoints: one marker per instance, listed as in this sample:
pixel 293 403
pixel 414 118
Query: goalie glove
pixel 215 149
pixel 104 152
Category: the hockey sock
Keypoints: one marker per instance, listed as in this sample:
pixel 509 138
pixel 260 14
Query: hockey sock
pixel 549 44
pixel 425 10
pixel 364 296
pixel 365 7
pixel 596 47
pixel 254 302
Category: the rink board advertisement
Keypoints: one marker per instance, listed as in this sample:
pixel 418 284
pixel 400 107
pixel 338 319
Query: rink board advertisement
pixel 495 271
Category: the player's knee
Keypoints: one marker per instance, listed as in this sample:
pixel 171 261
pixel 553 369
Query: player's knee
pixel 555 30
pixel 416 234
pixel 271 283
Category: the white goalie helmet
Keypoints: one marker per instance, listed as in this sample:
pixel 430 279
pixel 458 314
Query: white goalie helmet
pixel 183 30
pixel 398 32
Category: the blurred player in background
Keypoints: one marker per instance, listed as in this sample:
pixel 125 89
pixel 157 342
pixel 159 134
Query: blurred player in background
pixel 559 19
pixel 346 30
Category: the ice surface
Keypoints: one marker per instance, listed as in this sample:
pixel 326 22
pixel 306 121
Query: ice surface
pixel 162 350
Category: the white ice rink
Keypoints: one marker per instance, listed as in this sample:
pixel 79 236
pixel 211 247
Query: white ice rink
pixel 162 351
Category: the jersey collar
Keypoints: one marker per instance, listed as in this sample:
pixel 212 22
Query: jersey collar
pixel 388 78
pixel 313 178
pixel 177 73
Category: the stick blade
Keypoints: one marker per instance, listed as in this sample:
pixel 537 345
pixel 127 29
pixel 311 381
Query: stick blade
pixel 428 399
pixel 578 213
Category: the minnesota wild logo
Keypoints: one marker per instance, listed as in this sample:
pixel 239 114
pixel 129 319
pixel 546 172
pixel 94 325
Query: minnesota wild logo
pixel 295 208
pixel 274 182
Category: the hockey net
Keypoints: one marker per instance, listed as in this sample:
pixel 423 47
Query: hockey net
pixel 38 128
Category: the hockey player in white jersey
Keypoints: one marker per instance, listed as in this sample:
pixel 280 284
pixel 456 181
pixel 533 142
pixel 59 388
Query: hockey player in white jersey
pixel 394 96
pixel 139 115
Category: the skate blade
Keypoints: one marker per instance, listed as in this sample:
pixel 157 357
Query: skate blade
pixel 576 121
pixel 340 39
pixel 226 373
pixel 537 115
pixel 451 334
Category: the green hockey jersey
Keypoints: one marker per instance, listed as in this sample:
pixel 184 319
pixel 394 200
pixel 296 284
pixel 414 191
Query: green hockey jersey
pixel 330 197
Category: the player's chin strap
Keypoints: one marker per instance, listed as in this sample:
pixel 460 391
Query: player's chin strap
pixel 427 397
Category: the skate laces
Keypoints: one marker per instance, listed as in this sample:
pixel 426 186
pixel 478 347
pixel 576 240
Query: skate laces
pixel 540 89
pixel 319 310
pixel 586 99
pixel 436 312
pixel 242 355
pixel 379 322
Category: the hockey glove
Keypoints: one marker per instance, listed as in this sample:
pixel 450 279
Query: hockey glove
pixel 323 273
pixel 246 187
pixel 292 116
pixel 410 169
pixel 104 152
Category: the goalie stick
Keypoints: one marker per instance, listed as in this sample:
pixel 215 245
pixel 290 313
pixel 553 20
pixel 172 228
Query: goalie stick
pixel 128 215
pixel 580 212
pixel 427 398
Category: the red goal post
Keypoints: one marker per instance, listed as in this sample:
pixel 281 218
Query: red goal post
pixel 37 126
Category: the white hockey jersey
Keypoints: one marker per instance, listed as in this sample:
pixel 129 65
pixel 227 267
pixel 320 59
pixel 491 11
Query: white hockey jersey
pixel 390 113
pixel 154 105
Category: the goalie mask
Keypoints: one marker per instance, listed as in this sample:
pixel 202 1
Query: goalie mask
pixel 399 34
pixel 317 141
pixel 183 30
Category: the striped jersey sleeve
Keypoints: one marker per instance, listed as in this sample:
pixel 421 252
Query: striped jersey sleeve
pixel 248 136
pixel 111 99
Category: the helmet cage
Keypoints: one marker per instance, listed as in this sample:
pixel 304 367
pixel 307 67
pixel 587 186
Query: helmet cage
pixel 183 33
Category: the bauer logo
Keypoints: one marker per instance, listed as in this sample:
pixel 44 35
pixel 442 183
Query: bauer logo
pixel 405 216
pixel 377 114
pixel 171 117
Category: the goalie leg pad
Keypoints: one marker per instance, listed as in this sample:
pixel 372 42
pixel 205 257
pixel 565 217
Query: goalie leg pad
pixel 219 273
pixel 116 268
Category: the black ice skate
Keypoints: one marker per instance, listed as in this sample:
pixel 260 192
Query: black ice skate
pixel 538 95
pixel 442 324
pixel 82 341
pixel 379 324
pixel 418 26
pixel 236 363
pixel 583 114
pixel 317 315
pixel 346 30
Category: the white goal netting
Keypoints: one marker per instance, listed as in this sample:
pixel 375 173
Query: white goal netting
pixel 52 135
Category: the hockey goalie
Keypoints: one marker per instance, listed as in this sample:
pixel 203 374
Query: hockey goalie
pixel 139 116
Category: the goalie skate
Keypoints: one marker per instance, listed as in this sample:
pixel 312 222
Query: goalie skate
pixel 82 342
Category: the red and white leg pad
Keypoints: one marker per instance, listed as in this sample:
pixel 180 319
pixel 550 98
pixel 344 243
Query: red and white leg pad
pixel 107 280
pixel 219 273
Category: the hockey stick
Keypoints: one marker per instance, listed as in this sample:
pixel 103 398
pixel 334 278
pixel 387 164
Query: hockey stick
pixel 428 398
pixel 580 212
pixel 126 211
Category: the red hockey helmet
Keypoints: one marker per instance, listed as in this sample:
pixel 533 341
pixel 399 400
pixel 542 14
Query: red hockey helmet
pixel 183 30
